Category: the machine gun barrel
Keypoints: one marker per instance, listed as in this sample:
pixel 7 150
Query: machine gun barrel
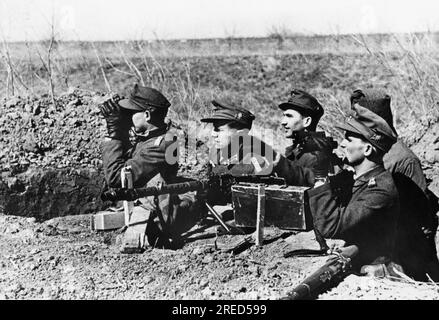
pixel 116 194
pixel 334 268
pixel 220 183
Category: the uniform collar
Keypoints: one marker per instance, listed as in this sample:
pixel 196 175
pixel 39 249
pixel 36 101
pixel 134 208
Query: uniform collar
pixel 366 176
pixel 294 151
pixel 149 134
pixel 225 156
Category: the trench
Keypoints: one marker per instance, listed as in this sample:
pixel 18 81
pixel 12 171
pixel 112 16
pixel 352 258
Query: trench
pixel 48 193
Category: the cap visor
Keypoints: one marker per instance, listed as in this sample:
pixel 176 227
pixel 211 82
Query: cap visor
pixel 208 120
pixel 127 104
pixel 216 119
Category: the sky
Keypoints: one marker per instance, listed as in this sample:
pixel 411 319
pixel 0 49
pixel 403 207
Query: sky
pixel 185 19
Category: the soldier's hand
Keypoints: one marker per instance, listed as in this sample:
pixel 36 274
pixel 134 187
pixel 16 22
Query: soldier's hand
pixel 343 179
pixel 321 167
pixel 118 120
pixel 110 109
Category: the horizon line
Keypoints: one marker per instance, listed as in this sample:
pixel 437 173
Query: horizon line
pixel 287 36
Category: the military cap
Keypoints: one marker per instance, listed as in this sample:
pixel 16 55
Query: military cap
pixel 375 100
pixel 370 126
pixel 223 111
pixel 303 102
pixel 142 98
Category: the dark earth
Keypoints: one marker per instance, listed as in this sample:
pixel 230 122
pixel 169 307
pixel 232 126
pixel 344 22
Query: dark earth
pixel 50 184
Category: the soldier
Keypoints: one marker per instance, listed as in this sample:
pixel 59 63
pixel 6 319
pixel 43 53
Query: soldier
pixel 418 221
pixel 309 149
pixel 399 158
pixel 152 160
pixel 236 152
pixel 361 207
pixel 232 144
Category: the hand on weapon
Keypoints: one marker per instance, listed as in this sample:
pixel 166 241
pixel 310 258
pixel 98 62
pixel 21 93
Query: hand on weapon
pixel 118 119
pixel 343 179
pixel 316 141
pixel 321 168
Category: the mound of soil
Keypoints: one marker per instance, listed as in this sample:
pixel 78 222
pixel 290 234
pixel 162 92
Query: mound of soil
pixel 62 259
pixel 45 194
pixel 37 133
pixel 50 156
pixel 51 166
pixel 427 148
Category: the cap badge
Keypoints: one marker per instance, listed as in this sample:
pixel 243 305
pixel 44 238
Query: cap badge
pixel 238 116
pixel 376 137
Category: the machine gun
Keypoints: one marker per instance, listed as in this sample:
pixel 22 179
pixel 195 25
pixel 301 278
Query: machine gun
pixel 285 205
pixel 333 270
pixel 220 183
pixel 215 185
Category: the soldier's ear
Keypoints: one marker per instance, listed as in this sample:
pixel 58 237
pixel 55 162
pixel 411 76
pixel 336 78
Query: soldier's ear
pixel 147 115
pixel 368 150
pixel 307 121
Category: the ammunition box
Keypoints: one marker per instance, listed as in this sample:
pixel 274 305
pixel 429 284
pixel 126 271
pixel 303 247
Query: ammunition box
pixel 286 207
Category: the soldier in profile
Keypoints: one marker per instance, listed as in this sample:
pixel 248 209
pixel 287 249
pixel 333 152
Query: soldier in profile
pixel 361 207
pixel 152 160
pixel 236 152
pixel 417 223
pixel 309 149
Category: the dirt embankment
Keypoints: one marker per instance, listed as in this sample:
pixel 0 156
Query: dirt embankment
pixel 51 162
pixel 51 166
pixel 427 149
pixel 62 259
pixel 50 157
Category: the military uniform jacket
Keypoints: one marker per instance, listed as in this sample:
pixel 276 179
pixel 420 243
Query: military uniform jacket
pixel 245 155
pixel 418 221
pixel 400 159
pixel 363 212
pixel 152 161
pixel 147 159
pixel 314 152
pixel 255 157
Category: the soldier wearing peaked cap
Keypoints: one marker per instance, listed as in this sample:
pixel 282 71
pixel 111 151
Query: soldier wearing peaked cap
pixel 152 160
pixel 236 152
pixel 362 207
pixel 417 223
pixel 232 151
pixel 309 149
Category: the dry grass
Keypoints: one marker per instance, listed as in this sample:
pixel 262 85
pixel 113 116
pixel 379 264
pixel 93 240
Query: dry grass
pixel 247 72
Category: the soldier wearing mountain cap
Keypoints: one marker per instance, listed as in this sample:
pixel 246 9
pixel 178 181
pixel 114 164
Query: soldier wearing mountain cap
pixel 152 159
pixel 309 149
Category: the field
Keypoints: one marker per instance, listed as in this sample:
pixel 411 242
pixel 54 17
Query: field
pixel 51 164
